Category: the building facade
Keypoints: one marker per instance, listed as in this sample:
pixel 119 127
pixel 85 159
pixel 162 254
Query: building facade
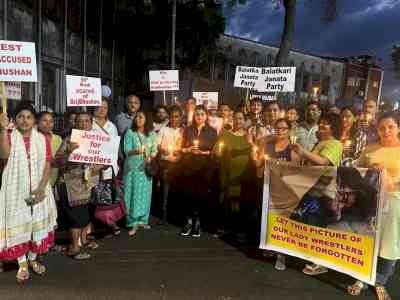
pixel 74 37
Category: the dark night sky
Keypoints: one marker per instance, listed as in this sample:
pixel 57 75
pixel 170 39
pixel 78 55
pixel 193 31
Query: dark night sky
pixel 362 27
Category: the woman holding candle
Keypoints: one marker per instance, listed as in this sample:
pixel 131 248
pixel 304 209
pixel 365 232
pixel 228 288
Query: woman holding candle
pixel 233 151
pixel 385 155
pixel 327 152
pixel 140 147
pixel 46 127
pixel 351 138
pixel 198 142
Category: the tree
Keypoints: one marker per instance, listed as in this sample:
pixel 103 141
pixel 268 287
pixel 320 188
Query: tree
pixel 396 60
pixel 289 24
pixel 146 27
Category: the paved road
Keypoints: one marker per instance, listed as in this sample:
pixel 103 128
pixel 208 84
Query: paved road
pixel 158 264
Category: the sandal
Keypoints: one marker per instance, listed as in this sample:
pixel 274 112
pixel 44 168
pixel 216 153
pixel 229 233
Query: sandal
pixel 133 231
pixel 23 273
pixel 91 245
pixel 145 226
pixel 80 256
pixel 356 288
pixel 314 270
pixel 382 293
pixel 36 267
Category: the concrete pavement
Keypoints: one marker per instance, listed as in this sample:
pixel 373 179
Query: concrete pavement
pixel 158 264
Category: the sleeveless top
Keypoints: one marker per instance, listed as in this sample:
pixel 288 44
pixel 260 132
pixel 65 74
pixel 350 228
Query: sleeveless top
pixel 284 155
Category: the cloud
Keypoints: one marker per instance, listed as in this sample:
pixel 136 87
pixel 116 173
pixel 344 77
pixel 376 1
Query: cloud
pixel 362 27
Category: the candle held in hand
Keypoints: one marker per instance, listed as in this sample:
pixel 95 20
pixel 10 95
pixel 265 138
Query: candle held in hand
pixel 196 143
pixel 220 147
pixel 170 150
pixel 293 139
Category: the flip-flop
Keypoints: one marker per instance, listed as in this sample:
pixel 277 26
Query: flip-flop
pixel 80 256
pixel 314 270
pixel 91 245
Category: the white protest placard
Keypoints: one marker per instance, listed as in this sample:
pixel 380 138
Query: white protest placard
pixel 164 80
pixel 17 61
pixel 13 90
pixel 94 148
pixel 246 77
pixel 83 91
pixel 208 99
pixel 277 79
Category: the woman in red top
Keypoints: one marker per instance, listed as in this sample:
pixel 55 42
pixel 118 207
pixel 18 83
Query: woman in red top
pixel 29 219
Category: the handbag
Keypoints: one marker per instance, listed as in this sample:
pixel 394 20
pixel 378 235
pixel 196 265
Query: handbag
pixel 151 167
pixel 107 192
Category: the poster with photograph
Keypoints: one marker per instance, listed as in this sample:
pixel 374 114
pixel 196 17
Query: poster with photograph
pixel 326 215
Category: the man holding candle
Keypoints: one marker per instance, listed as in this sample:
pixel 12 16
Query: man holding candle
pixel 198 142
pixel 170 139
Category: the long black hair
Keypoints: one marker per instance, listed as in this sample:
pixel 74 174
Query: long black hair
pixel 148 125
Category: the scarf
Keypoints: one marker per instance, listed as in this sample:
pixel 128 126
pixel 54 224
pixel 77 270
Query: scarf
pixel 24 228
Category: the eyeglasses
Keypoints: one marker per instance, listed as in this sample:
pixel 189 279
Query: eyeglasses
pixel 281 128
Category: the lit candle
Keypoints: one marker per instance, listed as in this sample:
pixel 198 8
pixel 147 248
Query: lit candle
pixel 255 149
pixel 293 139
pixel 347 143
pixel 226 120
pixel 196 143
pixel 220 147
pixel 170 150
pixel 143 148
pixel 266 157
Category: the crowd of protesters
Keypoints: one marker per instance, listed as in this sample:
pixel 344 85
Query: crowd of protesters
pixel 199 168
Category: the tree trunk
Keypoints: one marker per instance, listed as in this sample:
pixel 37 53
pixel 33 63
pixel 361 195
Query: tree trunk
pixel 287 34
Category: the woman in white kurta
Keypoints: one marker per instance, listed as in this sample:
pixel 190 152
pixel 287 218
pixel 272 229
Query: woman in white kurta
pixel 28 218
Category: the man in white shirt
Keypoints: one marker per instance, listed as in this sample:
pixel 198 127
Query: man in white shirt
pixel 306 132
pixel 160 118
pixel 170 140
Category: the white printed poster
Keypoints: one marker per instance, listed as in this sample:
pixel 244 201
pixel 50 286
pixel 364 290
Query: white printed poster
pixel 164 80
pixel 13 90
pixel 208 99
pixel 94 148
pixel 17 61
pixel 246 77
pixel 83 91
pixel 277 79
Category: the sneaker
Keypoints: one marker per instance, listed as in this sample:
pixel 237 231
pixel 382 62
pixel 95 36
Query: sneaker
pixel 280 263
pixel 196 231
pixel 187 229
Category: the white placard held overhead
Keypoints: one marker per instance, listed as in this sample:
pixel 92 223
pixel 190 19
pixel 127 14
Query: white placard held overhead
pixel 277 79
pixel 208 99
pixel 94 148
pixel 83 91
pixel 164 80
pixel 13 90
pixel 17 61
pixel 246 77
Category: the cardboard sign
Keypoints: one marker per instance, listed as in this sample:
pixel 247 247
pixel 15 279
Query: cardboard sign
pixel 246 77
pixel 17 61
pixel 83 91
pixel 161 80
pixel 277 79
pixel 13 90
pixel 94 148
pixel 208 99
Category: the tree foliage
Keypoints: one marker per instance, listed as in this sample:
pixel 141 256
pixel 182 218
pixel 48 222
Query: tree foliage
pixel 146 27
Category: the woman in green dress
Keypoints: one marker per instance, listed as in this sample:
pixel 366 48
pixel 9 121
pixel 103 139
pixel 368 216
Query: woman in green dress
pixel 140 147
pixel 233 151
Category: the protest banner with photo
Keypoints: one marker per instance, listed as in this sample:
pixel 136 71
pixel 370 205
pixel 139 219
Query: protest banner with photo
pixel 246 77
pixel 17 61
pixel 276 79
pixel 326 215
pixel 94 148
pixel 164 80
pixel 83 91
pixel 13 90
pixel 208 99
